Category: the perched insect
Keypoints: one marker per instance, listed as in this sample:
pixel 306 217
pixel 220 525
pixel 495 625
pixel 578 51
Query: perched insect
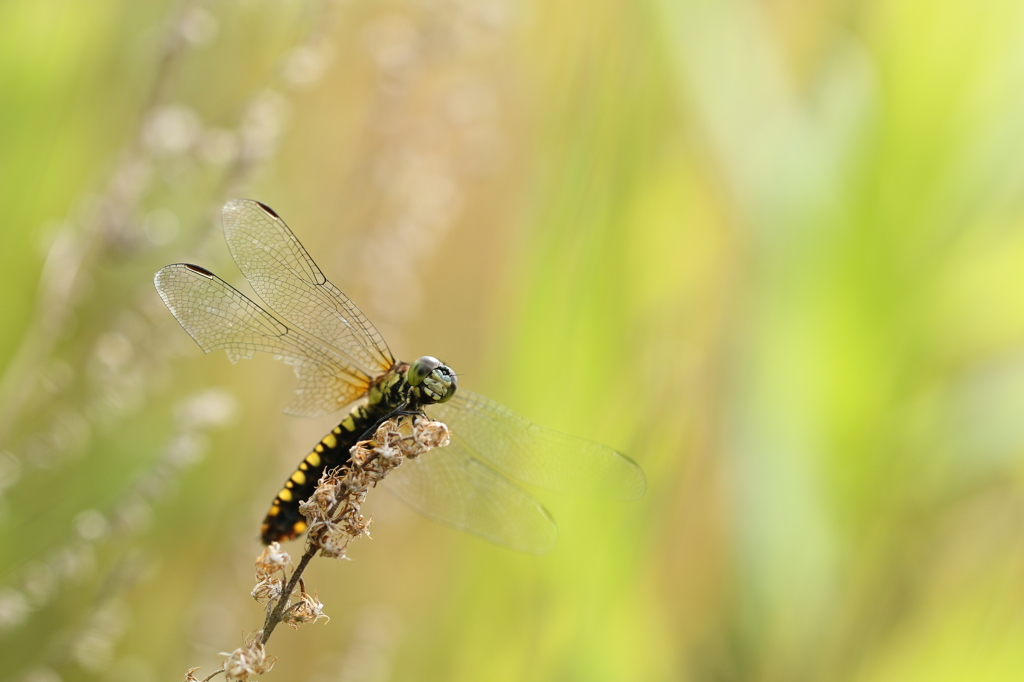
pixel 340 359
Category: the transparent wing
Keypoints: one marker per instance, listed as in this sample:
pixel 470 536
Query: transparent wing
pixel 538 455
pixel 452 486
pixel 218 317
pixel 290 283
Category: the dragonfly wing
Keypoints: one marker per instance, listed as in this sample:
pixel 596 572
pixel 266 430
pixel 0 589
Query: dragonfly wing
pixel 218 317
pixel 454 487
pixel 538 455
pixel 290 283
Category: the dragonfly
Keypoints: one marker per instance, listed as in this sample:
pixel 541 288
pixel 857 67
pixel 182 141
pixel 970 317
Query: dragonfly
pixel 474 484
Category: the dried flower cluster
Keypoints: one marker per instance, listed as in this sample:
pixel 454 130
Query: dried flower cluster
pixel 240 664
pixel 248 660
pixel 333 514
pixel 307 609
pixel 272 579
pixel 270 574
pixel 333 511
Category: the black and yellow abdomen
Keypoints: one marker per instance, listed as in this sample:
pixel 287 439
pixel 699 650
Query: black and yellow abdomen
pixel 283 520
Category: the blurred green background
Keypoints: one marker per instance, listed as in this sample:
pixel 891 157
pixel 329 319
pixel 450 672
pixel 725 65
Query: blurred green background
pixel 770 249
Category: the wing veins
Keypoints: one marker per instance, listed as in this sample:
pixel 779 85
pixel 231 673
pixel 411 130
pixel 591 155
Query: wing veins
pixel 219 317
pixel 286 278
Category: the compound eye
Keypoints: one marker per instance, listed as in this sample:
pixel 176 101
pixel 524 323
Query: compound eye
pixel 419 370
pixel 452 388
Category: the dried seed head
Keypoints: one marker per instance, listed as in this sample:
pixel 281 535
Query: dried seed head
pixel 430 434
pixel 189 677
pixel 271 561
pixel 268 590
pixel 313 510
pixel 333 538
pixel 246 661
pixel 361 452
pixel 307 610
pixel 321 504
pixel 330 486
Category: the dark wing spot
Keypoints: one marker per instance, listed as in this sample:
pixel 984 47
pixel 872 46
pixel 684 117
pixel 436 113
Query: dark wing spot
pixel 268 210
pixel 201 271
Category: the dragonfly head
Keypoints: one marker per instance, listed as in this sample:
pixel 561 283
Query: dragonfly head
pixel 432 380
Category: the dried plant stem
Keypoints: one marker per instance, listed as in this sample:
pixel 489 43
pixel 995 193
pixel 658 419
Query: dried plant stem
pixel 334 518
pixel 277 614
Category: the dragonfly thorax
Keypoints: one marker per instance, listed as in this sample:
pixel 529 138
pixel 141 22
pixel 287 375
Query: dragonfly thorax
pixel 431 380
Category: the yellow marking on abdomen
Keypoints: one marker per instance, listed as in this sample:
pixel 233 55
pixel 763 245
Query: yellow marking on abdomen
pixel 330 441
pixel 299 477
pixel 313 459
pixel 285 495
pixel 299 527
